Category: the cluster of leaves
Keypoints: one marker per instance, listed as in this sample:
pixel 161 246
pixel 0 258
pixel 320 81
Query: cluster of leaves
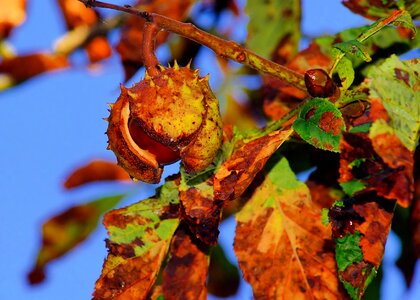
pixel 322 239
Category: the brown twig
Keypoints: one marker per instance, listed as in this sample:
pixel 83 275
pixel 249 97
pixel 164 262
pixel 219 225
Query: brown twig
pixel 226 49
pixel 149 43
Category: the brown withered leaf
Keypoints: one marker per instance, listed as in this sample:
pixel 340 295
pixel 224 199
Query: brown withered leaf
pixel 201 211
pixel 12 14
pixel 237 173
pixel 139 238
pixel 283 249
pixel 129 46
pixel 184 277
pixel 66 230
pixel 96 170
pixel 374 229
pixel 24 67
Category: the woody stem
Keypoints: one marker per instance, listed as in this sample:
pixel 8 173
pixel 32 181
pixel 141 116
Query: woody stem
pixel 149 43
pixel 224 48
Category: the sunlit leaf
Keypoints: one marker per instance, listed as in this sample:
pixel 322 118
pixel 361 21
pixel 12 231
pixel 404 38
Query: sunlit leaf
pixel 283 249
pixel 68 229
pixel 274 28
pixel 12 14
pixel 139 238
pixel 185 274
pixel 320 124
pixel 35 64
pixel 397 84
pixel 98 49
pixel 237 173
pixel 96 170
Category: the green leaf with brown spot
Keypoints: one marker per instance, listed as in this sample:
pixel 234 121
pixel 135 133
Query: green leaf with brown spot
pixel 139 238
pixel 274 28
pixel 65 231
pixel 320 124
pixel 397 84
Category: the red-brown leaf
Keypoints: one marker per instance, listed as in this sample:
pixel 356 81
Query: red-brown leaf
pixel 237 173
pixel 97 170
pixel 184 277
pixel 201 212
pixel 21 68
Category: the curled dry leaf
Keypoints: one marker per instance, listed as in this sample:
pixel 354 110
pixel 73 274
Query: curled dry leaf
pixel 237 173
pixel 12 14
pixel 97 170
pixel 132 33
pixel 200 210
pixel 283 249
pixel 66 230
pixel 173 115
pixel 185 274
pixel 21 68
pixel 139 238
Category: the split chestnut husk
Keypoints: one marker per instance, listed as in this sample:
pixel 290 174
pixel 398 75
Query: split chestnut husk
pixel 165 117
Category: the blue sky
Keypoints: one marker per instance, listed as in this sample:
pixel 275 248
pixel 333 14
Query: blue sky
pixel 53 123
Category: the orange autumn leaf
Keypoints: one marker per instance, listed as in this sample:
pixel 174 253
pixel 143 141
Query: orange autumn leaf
pixel 185 274
pixel 129 46
pixel 374 230
pixel 21 68
pixel 98 49
pixel 12 14
pixel 283 249
pixel 65 231
pixel 77 14
pixel 237 173
pixel 96 170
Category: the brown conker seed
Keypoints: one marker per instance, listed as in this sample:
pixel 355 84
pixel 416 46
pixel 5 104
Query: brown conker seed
pixel 319 83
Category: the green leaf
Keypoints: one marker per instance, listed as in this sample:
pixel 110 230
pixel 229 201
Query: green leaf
pixel 347 250
pixel 406 21
pixel 320 124
pixel 66 230
pixel 397 83
pixel 353 186
pixel 139 238
pixel 273 23
pixel 356 48
pixel 345 71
